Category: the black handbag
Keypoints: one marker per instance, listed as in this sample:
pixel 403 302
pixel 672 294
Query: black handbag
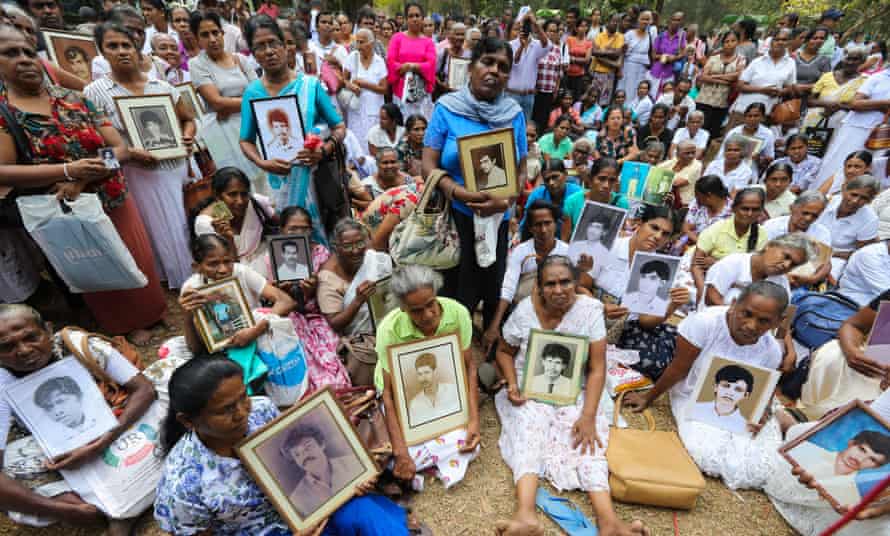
pixel 331 179
pixel 818 138
pixel 10 217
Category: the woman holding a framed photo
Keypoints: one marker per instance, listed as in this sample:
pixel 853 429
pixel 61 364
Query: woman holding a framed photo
pixel 291 181
pixel 156 184
pixel 542 439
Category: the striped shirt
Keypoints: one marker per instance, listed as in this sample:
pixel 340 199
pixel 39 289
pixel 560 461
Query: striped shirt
pixel 549 71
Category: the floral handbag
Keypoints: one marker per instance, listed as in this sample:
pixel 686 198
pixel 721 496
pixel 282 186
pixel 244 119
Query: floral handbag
pixel 427 236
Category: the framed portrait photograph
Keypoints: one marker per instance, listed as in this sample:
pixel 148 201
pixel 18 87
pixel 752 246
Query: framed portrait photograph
pixel 72 52
pixel 554 367
pixel 847 453
pixel 279 124
pixel 732 394
pixel 308 461
pixel 649 284
pixel 878 346
pixel 429 387
pixel 658 184
pixel 823 255
pixel 226 313
pixel 62 406
pixel 382 301
pixel 458 72
pixel 152 125
pixel 488 162
pixel 598 226
pixel 187 93
pixel 291 257
pixel 633 179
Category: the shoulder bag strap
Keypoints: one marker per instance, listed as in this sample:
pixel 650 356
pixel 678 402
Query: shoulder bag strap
pixel 19 138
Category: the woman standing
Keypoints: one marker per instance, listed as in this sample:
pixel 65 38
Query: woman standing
pixel 188 43
pixel 367 81
pixel 668 47
pixel 220 78
pixel 158 21
pixel 411 56
pixel 65 132
pixel 580 49
pixel 810 64
pixel 637 54
pixel 291 181
pixel 156 185
pixel 478 107
pixel 615 140
pixel 717 81
pixel 567 445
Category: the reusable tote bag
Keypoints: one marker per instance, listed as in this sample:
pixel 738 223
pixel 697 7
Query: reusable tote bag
pixel 282 351
pixel 80 241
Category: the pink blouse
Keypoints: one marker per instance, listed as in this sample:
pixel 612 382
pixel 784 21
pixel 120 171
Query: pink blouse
pixel 405 49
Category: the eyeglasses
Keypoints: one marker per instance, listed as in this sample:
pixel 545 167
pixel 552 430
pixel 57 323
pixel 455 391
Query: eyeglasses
pixel 354 247
pixel 271 45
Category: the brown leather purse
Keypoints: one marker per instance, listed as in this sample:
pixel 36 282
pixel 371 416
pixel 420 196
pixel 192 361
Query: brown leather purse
pixel 785 112
pixel 879 139
pixel 362 407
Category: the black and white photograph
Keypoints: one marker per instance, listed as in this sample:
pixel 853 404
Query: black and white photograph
pixel 847 454
pixel 554 367
pixel 309 460
pixel 598 226
pixel 458 72
pixel 291 257
pixel 62 407
pixel 488 162
pixel 430 387
pixel 225 314
pixel 649 284
pixel 73 52
pixel 187 93
pixel 382 301
pixel 732 394
pixel 108 158
pixel 151 124
pixel 280 127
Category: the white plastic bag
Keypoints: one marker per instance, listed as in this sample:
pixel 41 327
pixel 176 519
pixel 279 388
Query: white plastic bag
pixel 80 241
pixel 485 229
pixel 282 351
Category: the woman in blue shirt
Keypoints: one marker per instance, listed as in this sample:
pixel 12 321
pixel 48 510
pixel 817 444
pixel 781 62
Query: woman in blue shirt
pixel 478 107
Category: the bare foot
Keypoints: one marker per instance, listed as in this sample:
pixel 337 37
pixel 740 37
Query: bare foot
pixel 120 527
pixel 140 337
pixel 620 528
pixel 519 527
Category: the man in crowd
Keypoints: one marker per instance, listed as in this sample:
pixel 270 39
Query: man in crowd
pixel 607 54
pixel 732 385
pixel 526 55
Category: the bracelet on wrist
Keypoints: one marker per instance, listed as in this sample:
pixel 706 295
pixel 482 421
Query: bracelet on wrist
pixel 68 177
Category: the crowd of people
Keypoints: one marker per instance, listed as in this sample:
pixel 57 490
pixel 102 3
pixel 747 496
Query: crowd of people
pixel 776 139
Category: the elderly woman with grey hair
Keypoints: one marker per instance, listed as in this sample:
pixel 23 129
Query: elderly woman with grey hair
pixel 852 222
pixel 423 314
pixel 349 278
pixel 693 132
pixel 687 170
pixel 366 80
pixel 731 168
pixel 805 210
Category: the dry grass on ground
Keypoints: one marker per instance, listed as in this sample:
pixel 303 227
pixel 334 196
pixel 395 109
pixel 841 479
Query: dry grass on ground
pixel 486 495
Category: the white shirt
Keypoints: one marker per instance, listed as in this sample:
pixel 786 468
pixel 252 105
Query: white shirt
pixel 522 260
pixel 875 87
pixel 233 39
pixel 523 75
pixel 820 463
pixel 736 179
pixel 540 384
pixel 286 273
pixel 151 31
pixel 763 71
pixel 643 109
pixel 645 304
pixel 668 100
pixel 338 51
pixel 845 232
pixel 612 275
pixel 867 274
pixel 421 408
pixel 781 205
pixel 776 227
pixel 732 273
pixel 700 140
pixel 706 412
pixel 379 139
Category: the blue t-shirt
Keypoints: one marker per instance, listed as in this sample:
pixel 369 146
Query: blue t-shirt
pixel 541 192
pixel 442 133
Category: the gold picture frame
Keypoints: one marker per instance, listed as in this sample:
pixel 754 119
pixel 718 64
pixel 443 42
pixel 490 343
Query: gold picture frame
pixel 272 456
pixel 164 139
pixel 71 51
pixel 193 100
pixel 495 150
pixel 534 373
pixel 419 421
pixel 217 325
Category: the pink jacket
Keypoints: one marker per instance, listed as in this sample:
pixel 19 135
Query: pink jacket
pixel 404 49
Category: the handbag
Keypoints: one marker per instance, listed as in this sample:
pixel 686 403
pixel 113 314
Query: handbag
pixel 818 138
pixel 785 112
pixel 879 138
pixel 359 354
pixel 427 236
pixel 363 409
pixel 331 180
pixel 10 216
pixel 650 466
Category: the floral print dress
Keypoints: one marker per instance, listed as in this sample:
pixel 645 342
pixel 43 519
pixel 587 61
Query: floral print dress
pixel 616 149
pixel 202 490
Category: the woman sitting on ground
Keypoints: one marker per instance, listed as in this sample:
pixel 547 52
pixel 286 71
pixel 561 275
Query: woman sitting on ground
pixel 776 182
pixel 600 186
pixel 710 204
pixel 856 164
pixel 687 169
pixel 566 445
pixel 804 212
pixel 206 489
pixel 556 188
pixel 852 222
pixel 421 314
pixel 731 167
pixel 556 144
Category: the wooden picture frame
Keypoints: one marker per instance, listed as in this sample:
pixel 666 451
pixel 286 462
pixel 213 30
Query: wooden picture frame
pixel 217 332
pixel 138 112
pixel 458 72
pixel 71 51
pixel 442 354
pixel 855 415
pixel 271 455
pixel 187 91
pixel 276 255
pixel 534 372
pixel 495 149
pixel 286 109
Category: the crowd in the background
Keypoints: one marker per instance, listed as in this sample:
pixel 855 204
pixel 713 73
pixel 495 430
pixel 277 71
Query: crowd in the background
pixel 776 136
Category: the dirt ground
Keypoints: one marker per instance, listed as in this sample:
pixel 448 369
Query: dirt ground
pixel 486 494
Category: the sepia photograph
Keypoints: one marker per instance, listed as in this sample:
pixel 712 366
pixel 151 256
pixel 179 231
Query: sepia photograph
pixel 847 453
pixel 187 93
pixel 309 460
pixel 554 367
pixel 598 226
pixel 488 162
pixel 225 314
pixel 151 124
pixel 658 185
pixel 280 127
pixel 71 51
pixel 381 302
pixel 649 284
pixel 429 387
pixel 291 257
pixel 458 72
pixel 61 406
pixel 878 347
pixel 732 394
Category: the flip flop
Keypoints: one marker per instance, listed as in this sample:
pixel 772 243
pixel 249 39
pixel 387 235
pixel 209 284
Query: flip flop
pixel 565 513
